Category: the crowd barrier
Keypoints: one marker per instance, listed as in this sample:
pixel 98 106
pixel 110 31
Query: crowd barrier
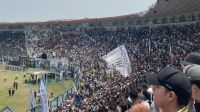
pixel 54 103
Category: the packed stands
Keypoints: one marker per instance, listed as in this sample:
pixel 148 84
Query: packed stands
pixel 12 44
pixel 173 7
pixel 150 48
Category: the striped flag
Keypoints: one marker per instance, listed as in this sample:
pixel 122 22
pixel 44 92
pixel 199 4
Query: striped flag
pixel 32 100
pixel 43 97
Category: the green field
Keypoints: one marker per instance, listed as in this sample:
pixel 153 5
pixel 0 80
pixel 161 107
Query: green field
pixel 20 101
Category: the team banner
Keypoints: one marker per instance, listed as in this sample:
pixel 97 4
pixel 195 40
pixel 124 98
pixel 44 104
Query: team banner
pixel 53 66
pixel 43 97
pixel 57 65
pixel 118 59
pixel 38 63
pixel 42 64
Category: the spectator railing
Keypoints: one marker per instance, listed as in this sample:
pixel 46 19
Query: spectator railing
pixel 54 103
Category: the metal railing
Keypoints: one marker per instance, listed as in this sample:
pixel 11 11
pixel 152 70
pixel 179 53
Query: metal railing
pixel 54 103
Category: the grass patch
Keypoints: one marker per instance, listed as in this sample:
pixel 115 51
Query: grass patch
pixel 20 101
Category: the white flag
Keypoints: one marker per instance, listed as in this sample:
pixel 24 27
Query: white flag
pixel 2 57
pixel 43 97
pixel 32 100
pixel 149 45
pixel 118 58
pixel 80 74
pixel 75 90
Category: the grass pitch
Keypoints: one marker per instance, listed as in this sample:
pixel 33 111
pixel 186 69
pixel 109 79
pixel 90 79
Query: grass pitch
pixel 20 101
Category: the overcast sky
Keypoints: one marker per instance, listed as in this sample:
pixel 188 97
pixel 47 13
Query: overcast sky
pixel 44 10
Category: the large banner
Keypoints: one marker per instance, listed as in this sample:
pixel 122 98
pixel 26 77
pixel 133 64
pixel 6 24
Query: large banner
pixel 43 97
pixel 58 65
pixel 27 61
pixel 42 64
pixel 53 65
pixel 118 59
pixel 14 68
pixel 37 63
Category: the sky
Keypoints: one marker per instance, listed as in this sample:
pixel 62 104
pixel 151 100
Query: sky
pixel 45 10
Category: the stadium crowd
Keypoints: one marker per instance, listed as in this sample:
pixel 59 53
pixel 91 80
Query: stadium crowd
pixel 149 48
pixel 106 93
pixel 12 44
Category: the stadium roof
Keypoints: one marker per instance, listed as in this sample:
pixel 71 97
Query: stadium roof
pixel 71 20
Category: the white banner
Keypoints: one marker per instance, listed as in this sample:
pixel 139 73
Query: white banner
pixel 53 65
pixel 78 74
pixel 43 97
pixel 118 59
